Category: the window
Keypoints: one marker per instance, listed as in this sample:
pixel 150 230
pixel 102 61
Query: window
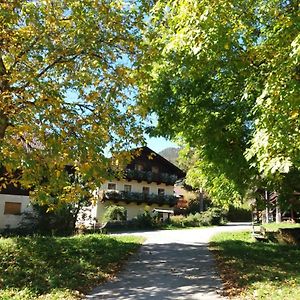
pixel 12 208
pixel 155 169
pixel 146 190
pixel 127 187
pixel 111 186
pixel 161 192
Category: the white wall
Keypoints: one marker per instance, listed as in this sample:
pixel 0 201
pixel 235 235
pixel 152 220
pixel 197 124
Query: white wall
pixel 86 216
pixel 12 220
pixel 133 209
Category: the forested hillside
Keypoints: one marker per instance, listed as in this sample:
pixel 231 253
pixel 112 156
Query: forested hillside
pixel 171 154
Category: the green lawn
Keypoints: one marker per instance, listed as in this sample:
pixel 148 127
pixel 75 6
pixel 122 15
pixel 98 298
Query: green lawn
pixel 59 268
pixel 276 226
pixel 174 227
pixel 257 270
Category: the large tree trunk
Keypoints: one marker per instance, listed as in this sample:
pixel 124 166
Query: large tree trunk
pixel 267 207
pixel 3 125
pixel 201 200
pixel 278 211
pixel 4 86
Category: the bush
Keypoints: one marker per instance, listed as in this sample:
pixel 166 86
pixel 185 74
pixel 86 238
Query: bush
pixel 115 212
pixel 194 205
pixel 239 214
pixel 213 216
pixel 144 221
pixel 60 222
pixel 178 221
pixel 192 220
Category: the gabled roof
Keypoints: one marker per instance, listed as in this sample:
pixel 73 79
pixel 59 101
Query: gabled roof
pixel 155 158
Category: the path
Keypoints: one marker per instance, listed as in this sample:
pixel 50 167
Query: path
pixel 172 264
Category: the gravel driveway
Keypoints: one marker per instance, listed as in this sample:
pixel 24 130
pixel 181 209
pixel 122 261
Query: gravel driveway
pixel 172 264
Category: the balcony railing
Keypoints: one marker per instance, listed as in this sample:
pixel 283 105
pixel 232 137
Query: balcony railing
pixel 140 198
pixel 168 179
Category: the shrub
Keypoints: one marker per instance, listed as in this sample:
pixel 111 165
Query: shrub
pixel 192 220
pixel 144 221
pixel 213 216
pixel 239 214
pixel 60 222
pixel 115 212
pixel 194 205
pixel 178 221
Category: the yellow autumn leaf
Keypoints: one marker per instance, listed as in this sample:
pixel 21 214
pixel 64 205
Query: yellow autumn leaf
pixel 294 114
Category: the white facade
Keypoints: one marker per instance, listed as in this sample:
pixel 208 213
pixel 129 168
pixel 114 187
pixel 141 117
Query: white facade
pixel 133 209
pixel 137 187
pixel 8 220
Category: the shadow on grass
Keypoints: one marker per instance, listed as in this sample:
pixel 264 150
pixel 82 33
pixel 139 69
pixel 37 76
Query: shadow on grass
pixel 42 264
pixel 244 264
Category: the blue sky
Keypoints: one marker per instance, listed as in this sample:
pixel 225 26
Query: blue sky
pixel 160 143
pixel 157 144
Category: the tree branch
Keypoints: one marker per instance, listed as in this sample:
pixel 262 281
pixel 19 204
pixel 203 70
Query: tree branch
pixel 25 51
pixel 2 67
pixel 41 73
pixel 60 59
pixel 4 123
pixel 4 86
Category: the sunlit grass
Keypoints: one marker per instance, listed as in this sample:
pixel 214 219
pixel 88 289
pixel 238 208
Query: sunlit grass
pixel 276 226
pixel 257 270
pixel 59 268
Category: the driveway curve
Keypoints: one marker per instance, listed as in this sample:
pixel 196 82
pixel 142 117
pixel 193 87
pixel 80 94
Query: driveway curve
pixel 172 264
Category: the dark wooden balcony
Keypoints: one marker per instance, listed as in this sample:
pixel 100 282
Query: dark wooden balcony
pixel 149 176
pixel 140 198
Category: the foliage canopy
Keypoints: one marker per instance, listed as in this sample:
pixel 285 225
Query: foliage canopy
pixel 224 78
pixel 66 90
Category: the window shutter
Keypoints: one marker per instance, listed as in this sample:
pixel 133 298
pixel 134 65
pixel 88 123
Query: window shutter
pixel 12 208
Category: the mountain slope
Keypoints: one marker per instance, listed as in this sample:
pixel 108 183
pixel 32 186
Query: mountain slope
pixel 171 154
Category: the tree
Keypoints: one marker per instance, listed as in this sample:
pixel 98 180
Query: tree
pixel 224 78
pixel 67 91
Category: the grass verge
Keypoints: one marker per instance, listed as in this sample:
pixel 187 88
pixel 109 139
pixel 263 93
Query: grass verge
pixel 174 227
pixel 256 270
pixel 277 226
pixel 60 268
